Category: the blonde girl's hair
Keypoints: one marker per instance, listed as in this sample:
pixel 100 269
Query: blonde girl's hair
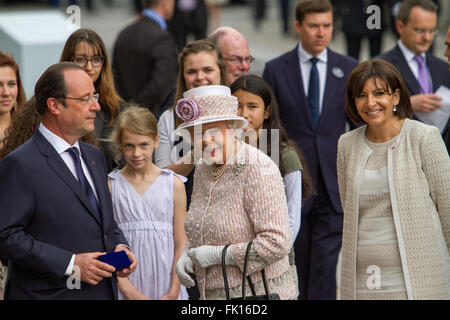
pixel 136 120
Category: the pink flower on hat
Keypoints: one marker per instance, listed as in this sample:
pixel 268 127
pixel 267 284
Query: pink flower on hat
pixel 187 109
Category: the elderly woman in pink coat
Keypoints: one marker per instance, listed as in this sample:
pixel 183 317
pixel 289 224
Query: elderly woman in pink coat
pixel 238 197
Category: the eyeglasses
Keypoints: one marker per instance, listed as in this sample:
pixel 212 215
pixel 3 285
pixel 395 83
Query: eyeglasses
pixel 82 61
pixel 421 31
pixel 236 61
pixel 86 100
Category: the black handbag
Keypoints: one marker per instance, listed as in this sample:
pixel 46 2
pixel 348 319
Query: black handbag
pixel 267 296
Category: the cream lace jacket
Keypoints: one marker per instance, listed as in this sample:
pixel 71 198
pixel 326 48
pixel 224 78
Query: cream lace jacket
pixel 419 184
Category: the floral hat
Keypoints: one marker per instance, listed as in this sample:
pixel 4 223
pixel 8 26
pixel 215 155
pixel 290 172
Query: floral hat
pixel 208 104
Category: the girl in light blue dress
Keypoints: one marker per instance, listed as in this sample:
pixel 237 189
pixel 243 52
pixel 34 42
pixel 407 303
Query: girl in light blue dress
pixel 149 207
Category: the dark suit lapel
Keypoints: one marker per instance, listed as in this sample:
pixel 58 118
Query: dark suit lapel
pixel 57 164
pixel 406 72
pixel 92 166
pixel 434 70
pixel 295 80
pixel 331 86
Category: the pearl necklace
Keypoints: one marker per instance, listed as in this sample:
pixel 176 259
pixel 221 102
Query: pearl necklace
pixel 217 173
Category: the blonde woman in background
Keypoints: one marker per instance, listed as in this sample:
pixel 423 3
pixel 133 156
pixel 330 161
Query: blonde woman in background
pixel 86 49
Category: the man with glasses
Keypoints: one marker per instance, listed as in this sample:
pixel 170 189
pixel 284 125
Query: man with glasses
pixel 234 49
pixel 57 216
pixel 416 23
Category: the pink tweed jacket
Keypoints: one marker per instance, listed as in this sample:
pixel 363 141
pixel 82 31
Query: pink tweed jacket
pixel 247 203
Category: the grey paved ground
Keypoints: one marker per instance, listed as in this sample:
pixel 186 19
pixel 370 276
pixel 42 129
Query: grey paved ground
pixel 266 44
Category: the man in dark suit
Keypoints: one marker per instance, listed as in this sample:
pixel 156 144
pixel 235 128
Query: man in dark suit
pixel 423 73
pixel 145 57
pixel 309 85
pixel 53 227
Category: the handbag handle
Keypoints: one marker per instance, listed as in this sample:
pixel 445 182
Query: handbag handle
pixel 224 271
pixel 225 278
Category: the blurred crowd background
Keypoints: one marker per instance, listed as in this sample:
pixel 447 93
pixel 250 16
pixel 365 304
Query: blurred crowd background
pixel 260 21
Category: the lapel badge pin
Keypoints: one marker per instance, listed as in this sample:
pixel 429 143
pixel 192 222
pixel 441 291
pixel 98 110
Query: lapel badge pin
pixel 93 162
pixel 338 72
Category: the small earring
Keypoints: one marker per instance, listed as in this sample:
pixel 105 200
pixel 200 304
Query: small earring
pixel 395 109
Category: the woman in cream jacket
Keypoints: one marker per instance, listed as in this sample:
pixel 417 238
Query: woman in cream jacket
pixel 394 183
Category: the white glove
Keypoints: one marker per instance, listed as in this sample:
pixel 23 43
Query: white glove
pixel 183 268
pixel 205 256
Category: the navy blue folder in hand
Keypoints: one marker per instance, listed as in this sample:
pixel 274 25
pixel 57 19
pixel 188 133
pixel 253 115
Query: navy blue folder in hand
pixel 118 260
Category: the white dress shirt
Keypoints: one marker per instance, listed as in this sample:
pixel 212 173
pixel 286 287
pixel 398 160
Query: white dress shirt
pixel 305 67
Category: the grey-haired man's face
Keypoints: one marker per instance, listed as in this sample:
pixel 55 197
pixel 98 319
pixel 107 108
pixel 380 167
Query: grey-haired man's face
pixel 235 52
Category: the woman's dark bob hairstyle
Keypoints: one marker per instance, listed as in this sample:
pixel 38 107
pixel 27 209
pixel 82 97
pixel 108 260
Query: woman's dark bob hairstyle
pixel 388 75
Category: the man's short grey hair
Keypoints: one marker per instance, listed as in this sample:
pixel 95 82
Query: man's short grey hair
pixel 219 33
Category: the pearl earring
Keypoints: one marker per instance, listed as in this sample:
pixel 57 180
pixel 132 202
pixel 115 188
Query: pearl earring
pixel 395 109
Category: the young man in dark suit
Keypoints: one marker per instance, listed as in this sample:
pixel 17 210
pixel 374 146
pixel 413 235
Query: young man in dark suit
pixel 145 57
pixel 57 217
pixel 416 23
pixel 309 85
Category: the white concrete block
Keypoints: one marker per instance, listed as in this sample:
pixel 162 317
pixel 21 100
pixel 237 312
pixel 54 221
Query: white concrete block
pixel 35 39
